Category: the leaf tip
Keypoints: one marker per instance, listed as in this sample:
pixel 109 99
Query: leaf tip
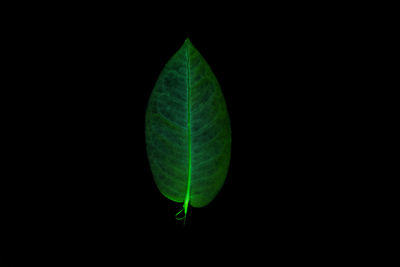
pixel 187 41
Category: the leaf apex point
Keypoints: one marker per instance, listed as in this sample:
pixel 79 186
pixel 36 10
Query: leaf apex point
pixel 187 41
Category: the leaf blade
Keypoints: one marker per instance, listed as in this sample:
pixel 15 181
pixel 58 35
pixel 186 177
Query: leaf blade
pixel 195 121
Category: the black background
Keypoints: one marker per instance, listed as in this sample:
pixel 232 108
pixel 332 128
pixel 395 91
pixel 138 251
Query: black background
pixel 77 183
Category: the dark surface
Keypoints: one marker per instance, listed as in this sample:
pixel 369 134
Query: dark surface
pixel 77 186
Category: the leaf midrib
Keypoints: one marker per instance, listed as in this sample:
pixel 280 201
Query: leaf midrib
pixel 188 93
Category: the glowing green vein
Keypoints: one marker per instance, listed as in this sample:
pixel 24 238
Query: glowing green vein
pixel 187 197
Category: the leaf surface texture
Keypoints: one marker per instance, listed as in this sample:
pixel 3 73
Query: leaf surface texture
pixel 188 134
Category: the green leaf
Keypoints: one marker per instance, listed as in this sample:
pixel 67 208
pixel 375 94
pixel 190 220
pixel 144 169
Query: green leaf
pixel 188 134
